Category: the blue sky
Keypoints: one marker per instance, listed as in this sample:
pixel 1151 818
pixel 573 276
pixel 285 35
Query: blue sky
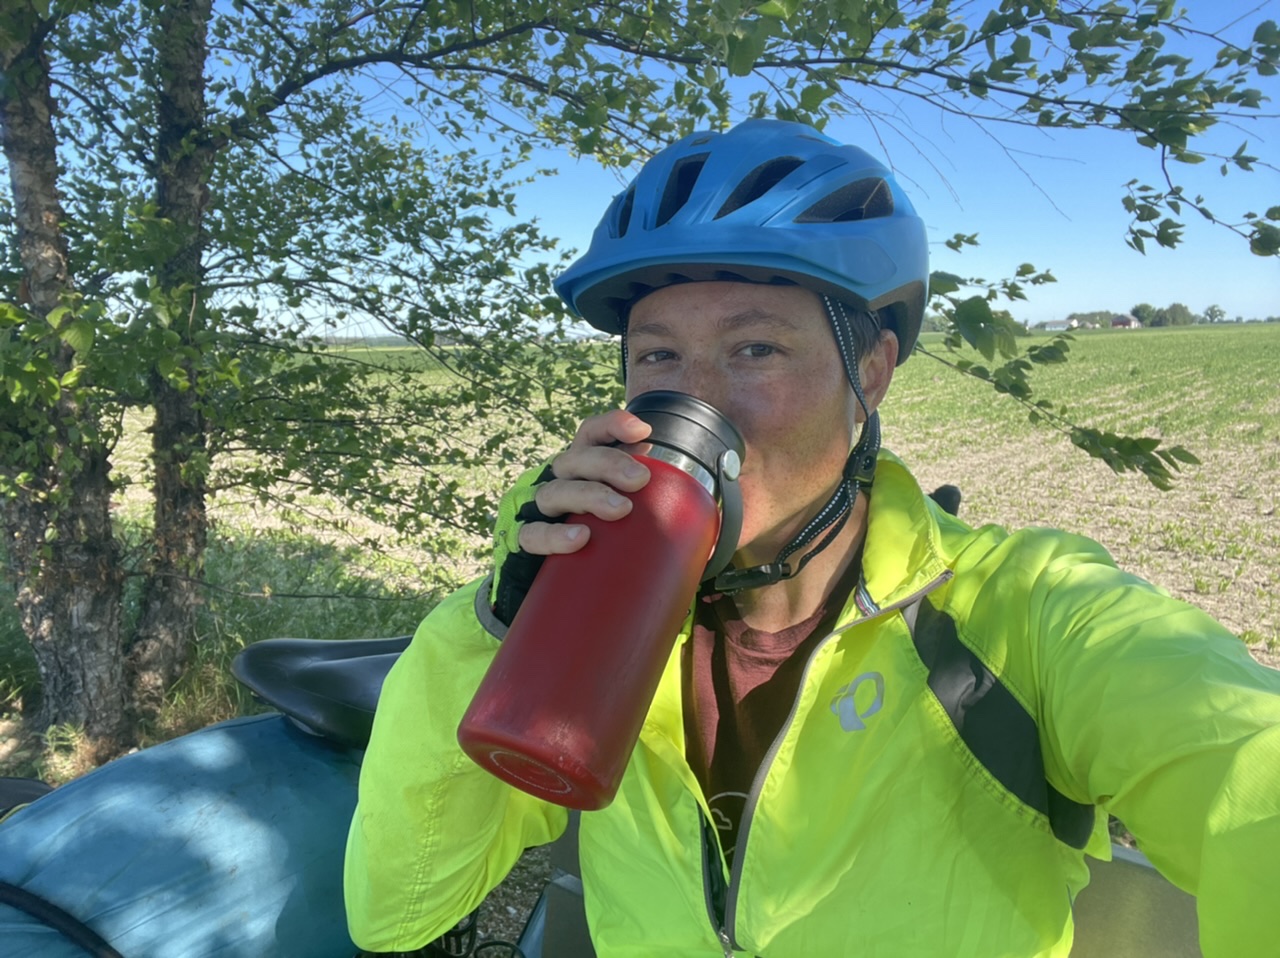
pixel 1061 211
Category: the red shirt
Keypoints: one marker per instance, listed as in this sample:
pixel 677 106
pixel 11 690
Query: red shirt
pixel 739 686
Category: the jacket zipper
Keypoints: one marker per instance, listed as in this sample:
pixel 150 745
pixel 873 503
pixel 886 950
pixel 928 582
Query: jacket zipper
pixel 713 885
pixel 724 920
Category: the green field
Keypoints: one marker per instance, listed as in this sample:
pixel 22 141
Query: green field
pixel 1214 540
pixel 1182 382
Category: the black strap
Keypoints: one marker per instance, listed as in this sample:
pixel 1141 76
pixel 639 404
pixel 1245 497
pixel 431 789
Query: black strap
pixel 50 914
pixel 993 725
pixel 520 568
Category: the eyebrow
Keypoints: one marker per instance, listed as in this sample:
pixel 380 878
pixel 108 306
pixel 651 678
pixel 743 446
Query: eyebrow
pixel 740 320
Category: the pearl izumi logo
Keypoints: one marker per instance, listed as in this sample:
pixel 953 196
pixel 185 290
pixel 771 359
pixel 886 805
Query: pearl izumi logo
pixel 858 701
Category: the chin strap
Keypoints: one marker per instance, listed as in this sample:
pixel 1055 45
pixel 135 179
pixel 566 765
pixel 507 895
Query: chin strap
pixel 859 472
pixel 832 518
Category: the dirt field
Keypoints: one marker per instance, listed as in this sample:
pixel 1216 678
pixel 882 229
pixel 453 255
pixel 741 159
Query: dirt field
pixel 1213 540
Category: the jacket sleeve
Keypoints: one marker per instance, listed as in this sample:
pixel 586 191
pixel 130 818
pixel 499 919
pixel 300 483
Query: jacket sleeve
pixel 1158 714
pixel 433 833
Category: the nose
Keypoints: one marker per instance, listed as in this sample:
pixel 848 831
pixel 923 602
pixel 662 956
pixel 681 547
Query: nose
pixel 698 378
pixel 706 381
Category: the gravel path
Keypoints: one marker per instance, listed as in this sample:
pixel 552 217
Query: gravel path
pixel 505 911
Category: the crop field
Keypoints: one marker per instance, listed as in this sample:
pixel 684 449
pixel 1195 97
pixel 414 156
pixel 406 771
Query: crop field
pixel 1214 540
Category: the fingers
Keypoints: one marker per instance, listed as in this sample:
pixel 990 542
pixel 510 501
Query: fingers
pixel 553 538
pixel 617 425
pixel 591 477
pixel 593 459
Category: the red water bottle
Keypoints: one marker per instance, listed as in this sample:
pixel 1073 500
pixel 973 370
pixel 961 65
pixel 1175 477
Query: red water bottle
pixel 561 706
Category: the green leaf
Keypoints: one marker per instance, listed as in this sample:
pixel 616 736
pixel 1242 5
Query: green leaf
pixel 1047 355
pixel 745 47
pixel 779 9
pixel 960 240
pixel 11 314
pixel 941 283
pixel 57 315
pixel 813 96
pixel 1265 240
pixel 973 319
pixel 79 336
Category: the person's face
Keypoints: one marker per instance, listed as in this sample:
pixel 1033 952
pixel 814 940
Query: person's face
pixel 766 357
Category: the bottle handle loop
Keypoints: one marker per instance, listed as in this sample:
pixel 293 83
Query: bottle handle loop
pixel 728 467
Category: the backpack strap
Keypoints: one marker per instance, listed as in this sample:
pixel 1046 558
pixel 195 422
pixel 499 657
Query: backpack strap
pixel 991 722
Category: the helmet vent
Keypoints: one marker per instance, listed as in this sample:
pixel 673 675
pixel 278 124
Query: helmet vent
pixel 759 182
pixel 864 200
pixel 679 186
pixel 624 214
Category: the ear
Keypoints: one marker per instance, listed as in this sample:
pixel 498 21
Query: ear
pixel 876 369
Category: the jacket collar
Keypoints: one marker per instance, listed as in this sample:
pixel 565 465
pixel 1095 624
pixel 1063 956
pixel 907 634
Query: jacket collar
pixel 902 553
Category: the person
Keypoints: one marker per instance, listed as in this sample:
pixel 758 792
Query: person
pixel 882 732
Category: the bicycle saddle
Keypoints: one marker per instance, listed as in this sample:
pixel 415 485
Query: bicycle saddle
pixel 328 688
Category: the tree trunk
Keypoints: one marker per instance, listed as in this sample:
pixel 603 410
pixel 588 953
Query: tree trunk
pixel 165 635
pixel 63 557
pixel 69 596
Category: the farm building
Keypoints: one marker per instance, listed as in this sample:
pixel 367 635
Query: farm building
pixel 1125 322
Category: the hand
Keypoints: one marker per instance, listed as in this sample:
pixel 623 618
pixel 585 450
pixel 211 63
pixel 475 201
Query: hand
pixel 590 477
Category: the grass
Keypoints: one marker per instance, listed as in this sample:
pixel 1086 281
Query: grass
pixel 263 584
pixel 1214 540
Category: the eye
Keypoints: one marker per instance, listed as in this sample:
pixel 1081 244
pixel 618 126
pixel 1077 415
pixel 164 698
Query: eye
pixel 655 356
pixel 759 350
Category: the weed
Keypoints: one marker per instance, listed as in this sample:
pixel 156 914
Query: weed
pixel 1255 639
pixel 66 754
pixel 18 671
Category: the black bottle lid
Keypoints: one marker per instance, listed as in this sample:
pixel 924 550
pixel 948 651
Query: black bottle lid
pixel 688 425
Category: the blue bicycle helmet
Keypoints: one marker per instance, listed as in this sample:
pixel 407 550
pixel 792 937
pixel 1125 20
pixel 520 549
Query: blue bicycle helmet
pixel 765 202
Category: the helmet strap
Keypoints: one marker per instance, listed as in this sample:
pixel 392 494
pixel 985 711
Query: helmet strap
pixel 622 342
pixel 859 471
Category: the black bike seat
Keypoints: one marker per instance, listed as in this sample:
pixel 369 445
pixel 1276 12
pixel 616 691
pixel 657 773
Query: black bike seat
pixel 20 791
pixel 330 688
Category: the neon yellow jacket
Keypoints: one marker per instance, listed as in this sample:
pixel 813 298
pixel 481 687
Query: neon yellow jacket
pixel 931 794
